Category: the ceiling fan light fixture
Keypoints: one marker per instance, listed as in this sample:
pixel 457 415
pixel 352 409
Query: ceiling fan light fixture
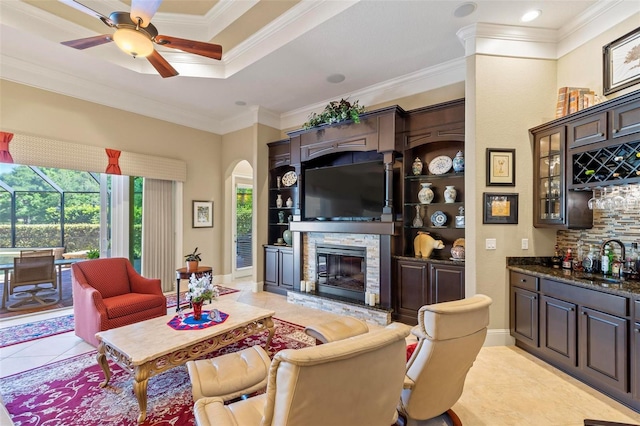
pixel 143 10
pixel 133 42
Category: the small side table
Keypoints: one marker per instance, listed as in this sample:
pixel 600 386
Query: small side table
pixel 183 274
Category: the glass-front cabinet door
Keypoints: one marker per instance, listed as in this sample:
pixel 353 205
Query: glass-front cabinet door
pixel 549 185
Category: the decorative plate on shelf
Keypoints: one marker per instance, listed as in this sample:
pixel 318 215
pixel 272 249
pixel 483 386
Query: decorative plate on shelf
pixel 440 165
pixel 439 218
pixel 289 178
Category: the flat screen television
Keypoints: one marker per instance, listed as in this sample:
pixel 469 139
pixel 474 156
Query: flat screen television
pixel 345 192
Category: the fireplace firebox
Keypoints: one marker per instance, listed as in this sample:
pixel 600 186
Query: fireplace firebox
pixel 341 271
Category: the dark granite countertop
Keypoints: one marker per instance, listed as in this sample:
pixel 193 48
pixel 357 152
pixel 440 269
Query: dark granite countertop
pixel 432 260
pixel 583 279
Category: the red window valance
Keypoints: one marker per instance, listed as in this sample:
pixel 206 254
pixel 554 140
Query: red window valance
pixel 113 167
pixel 5 156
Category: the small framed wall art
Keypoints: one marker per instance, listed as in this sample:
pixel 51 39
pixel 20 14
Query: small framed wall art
pixel 620 62
pixel 500 208
pixel 501 167
pixel 202 214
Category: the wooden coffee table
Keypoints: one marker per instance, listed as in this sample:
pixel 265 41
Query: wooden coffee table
pixel 151 347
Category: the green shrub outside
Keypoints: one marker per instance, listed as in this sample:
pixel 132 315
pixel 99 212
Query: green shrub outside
pixel 77 236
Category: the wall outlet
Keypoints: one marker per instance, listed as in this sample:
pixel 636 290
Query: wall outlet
pixel 490 244
pixel 525 244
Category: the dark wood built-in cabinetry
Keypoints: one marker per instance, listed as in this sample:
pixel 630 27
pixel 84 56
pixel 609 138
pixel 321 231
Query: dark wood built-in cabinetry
pixel 423 282
pixel 524 308
pixel 430 132
pixel 593 148
pixel 278 270
pixel 554 205
pixel 394 138
pixel 582 331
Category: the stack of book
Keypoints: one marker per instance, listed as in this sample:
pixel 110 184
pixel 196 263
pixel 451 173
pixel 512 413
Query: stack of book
pixel 573 99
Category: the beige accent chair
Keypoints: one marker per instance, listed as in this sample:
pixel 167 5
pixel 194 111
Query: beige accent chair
pixel 355 381
pixel 33 281
pixel 450 337
pixel 231 375
pixel 336 329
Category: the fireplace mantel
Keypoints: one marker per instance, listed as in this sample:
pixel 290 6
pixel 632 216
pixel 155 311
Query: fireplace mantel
pixel 350 227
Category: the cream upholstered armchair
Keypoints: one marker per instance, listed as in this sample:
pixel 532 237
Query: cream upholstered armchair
pixel 450 335
pixel 355 381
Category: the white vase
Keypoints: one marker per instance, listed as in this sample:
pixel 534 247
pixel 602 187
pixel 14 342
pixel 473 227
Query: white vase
pixel 450 194
pixel 279 201
pixel 289 202
pixel 425 196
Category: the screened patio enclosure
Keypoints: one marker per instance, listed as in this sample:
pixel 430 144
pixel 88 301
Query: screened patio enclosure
pixel 50 207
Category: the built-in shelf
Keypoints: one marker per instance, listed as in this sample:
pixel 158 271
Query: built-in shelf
pixel 346 226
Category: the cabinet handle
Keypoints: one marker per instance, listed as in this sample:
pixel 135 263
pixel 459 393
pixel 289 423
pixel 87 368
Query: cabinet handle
pixel 522 280
pixel 615 130
pixel 601 135
pixel 637 330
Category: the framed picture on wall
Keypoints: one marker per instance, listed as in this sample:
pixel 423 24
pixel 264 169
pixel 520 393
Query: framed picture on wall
pixel 621 62
pixel 202 214
pixel 501 167
pixel 500 208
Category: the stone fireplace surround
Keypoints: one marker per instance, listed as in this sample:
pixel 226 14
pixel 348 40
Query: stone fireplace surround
pixel 372 244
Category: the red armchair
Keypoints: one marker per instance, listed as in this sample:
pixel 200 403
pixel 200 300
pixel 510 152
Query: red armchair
pixel 109 293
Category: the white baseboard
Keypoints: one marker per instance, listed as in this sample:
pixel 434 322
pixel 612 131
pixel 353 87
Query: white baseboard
pixel 499 337
pixel 258 287
pixel 223 279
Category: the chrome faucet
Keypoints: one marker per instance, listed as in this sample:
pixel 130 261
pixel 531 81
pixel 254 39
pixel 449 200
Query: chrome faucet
pixel 620 243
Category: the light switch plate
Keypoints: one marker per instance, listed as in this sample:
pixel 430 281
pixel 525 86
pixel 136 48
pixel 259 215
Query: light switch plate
pixel 490 244
pixel 525 244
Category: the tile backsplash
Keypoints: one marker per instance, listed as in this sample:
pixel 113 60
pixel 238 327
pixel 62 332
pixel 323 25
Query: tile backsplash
pixel 621 225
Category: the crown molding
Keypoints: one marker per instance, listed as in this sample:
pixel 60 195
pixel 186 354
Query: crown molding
pixel 298 20
pixel 528 42
pixel 250 116
pixel 505 40
pixel 34 75
pixel 420 81
pixel 599 18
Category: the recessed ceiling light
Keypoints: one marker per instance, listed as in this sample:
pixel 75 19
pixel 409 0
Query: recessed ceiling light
pixel 336 78
pixel 531 15
pixel 465 9
pixel 241 103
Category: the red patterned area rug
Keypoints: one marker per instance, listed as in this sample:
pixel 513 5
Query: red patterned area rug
pixel 50 327
pixel 67 392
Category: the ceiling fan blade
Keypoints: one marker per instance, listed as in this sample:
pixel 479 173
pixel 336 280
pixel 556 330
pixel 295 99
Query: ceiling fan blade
pixel 209 50
pixel 161 65
pixel 85 43
pixel 143 11
pixel 85 9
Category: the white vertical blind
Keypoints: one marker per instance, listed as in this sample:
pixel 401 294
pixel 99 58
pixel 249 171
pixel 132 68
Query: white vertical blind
pixel 158 231
pixel 120 216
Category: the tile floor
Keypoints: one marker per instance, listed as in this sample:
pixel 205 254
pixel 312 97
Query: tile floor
pixel 505 387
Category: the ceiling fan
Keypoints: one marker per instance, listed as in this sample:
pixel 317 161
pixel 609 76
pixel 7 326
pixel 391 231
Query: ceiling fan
pixel 135 35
